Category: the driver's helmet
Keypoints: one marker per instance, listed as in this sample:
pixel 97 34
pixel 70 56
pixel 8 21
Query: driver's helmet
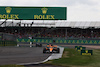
pixel 51 45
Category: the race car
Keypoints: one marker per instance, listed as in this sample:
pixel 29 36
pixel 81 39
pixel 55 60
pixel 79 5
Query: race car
pixel 51 49
pixel 38 45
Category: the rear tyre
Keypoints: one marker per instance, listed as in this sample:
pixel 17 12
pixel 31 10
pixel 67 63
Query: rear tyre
pixel 58 50
pixel 44 50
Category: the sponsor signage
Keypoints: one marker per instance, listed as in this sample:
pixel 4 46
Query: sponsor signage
pixel 79 48
pixel 86 52
pixel 33 13
pixel 69 41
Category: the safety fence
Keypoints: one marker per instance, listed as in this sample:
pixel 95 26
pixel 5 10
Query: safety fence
pixel 8 43
pixel 57 41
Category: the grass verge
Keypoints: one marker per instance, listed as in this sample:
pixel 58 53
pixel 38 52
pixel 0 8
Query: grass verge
pixel 73 58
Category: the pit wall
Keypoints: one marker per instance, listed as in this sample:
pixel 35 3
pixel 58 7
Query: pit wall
pixel 60 41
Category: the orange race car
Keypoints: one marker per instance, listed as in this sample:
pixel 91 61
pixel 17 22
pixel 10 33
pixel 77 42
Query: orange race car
pixel 51 49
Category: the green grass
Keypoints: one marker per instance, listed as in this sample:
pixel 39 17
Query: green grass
pixel 73 58
pixel 11 66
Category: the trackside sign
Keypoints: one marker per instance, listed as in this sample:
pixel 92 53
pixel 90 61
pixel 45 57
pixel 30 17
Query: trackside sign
pixel 86 52
pixel 33 13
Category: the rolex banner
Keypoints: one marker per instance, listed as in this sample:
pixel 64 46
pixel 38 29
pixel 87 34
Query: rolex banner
pixel 86 52
pixel 33 13
pixel 79 48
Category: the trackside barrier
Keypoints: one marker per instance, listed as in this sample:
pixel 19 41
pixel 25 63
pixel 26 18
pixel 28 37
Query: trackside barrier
pixel 29 45
pixel 59 41
pixel 8 43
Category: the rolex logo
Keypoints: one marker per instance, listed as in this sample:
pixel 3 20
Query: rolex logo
pixel 81 48
pixel 44 10
pixel 8 9
pixel 86 51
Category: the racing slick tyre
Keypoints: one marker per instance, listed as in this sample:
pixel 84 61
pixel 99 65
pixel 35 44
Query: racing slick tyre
pixel 58 50
pixel 44 50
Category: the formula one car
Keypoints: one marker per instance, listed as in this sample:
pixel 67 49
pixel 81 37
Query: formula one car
pixel 38 45
pixel 51 49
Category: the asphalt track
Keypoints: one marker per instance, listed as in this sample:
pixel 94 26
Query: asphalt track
pixel 26 54
pixel 17 55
